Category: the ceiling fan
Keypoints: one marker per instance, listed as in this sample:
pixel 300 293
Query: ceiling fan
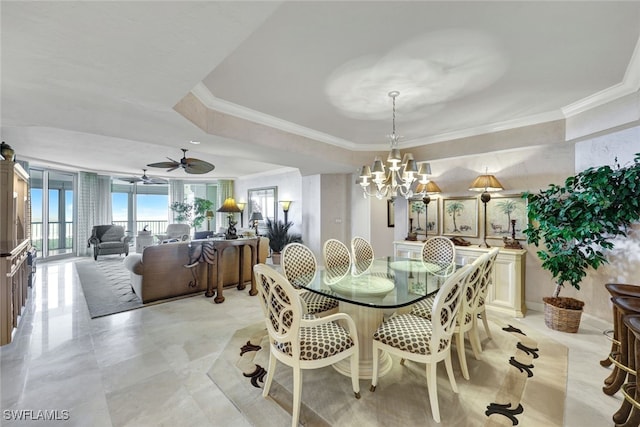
pixel 144 179
pixel 189 164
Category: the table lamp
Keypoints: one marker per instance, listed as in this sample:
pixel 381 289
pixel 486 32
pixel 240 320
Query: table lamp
pixel 255 217
pixel 485 183
pixel 230 207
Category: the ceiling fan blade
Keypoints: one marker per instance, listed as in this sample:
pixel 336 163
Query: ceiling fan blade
pixel 173 168
pixel 164 165
pixel 197 166
pixel 130 179
pixel 156 181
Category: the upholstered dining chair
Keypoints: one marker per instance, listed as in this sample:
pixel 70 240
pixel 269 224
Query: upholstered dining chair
pixel 337 257
pixel 465 321
pixel 299 266
pixel 422 340
pixel 439 250
pixel 480 310
pixel 362 254
pixel 302 341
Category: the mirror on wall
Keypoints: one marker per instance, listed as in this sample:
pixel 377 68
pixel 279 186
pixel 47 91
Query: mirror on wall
pixel 265 201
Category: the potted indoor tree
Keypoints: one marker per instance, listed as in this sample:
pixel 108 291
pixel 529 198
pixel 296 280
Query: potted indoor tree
pixel 279 237
pixel 578 223
pixel 194 213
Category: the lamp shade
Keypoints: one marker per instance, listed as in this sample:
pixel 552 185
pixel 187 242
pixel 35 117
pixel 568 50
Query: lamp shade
pixel 256 216
pixel 229 205
pixel 285 204
pixel 429 188
pixel 241 205
pixel 209 214
pixel 486 183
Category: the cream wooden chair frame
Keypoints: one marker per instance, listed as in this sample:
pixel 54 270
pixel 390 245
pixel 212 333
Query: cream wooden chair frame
pixel 293 335
pixel 299 266
pixel 480 311
pixel 430 340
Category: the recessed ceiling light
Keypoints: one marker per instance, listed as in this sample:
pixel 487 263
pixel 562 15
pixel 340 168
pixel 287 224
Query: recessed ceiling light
pixel 195 142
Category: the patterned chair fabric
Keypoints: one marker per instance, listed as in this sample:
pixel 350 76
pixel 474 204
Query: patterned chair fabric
pixel 362 254
pixel 299 266
pixel 465 320
pixel 439 250
pixel 108 239
pixel 423 340
pixel 337 257
pixel 299 340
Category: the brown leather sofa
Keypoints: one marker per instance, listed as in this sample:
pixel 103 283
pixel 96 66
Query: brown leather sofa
pixel 160 272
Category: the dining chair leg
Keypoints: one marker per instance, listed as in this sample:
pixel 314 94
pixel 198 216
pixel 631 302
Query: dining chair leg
pixel 461 354
pixel 475 342
pixel 270 371
pixel 297 395
pixel 355 375
pixel 432 388
pixel 452 380
pixel 374 373
pixel 483 314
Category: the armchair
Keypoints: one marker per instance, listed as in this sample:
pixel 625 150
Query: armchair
pixel 178 232
pixel 108 239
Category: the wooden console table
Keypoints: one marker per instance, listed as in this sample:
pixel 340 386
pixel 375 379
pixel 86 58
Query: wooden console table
pixel 212 254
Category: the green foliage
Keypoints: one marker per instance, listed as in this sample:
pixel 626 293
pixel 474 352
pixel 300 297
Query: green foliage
pixel 578 221
pixel 279 236
pixel 192 213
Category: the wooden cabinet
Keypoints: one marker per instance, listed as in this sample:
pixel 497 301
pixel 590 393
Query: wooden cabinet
pixel 15 225
pixel 507 289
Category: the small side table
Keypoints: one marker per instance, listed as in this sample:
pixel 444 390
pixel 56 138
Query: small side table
pixel 142 241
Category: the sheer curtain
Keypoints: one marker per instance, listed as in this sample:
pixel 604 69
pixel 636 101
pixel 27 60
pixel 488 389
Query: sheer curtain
pixel 94 206
pixel 225 190
pixel 176 194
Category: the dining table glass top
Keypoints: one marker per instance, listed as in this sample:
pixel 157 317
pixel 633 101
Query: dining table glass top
pixel 388 282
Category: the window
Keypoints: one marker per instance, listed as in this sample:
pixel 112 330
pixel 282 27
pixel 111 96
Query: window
pixel 135 206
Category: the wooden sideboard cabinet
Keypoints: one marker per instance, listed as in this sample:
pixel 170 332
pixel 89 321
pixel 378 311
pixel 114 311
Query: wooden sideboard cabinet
pixel 507 289
pixel 15 226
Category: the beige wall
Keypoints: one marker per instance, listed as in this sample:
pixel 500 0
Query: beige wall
pixel 332 206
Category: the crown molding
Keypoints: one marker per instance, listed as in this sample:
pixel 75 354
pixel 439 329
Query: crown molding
pixel 206 97
pixel 630 84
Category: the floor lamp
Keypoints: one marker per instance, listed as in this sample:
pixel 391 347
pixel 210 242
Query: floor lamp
pixel 485 183
pixel 427 189
pixel 286 204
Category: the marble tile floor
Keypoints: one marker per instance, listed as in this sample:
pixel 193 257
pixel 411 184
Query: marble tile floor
pixel 147 367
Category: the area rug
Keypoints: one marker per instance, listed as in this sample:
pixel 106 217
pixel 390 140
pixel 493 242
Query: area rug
pixel 520 380
pixel 107 286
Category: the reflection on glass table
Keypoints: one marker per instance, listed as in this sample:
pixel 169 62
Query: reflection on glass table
pixel 365 290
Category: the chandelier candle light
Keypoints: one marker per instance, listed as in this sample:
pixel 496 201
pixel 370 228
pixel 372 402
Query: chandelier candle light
pixel 399 175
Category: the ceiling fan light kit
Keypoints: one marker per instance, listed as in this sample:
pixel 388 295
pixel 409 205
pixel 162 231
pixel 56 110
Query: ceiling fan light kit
pixel 189 164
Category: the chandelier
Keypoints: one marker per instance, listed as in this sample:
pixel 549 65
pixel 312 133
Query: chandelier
pixel 400 174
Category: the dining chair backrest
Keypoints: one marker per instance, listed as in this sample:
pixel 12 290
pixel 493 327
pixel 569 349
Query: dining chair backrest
pixel 337 257
pixel 473 282
pixel 439 250
pixel 446 306
pixel 299 264
pixel 487 275
pixel 281 306
pixel 361 249
pixel 362 255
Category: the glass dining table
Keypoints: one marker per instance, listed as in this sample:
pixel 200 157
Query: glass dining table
pixel 366 290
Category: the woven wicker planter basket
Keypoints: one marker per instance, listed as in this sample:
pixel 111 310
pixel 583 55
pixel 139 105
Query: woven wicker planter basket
pixel 561 319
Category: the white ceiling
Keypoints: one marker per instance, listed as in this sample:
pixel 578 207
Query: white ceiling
pixel 93 85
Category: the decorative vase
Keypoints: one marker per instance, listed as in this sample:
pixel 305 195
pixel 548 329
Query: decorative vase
pixel 7 152
pixel 275 258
